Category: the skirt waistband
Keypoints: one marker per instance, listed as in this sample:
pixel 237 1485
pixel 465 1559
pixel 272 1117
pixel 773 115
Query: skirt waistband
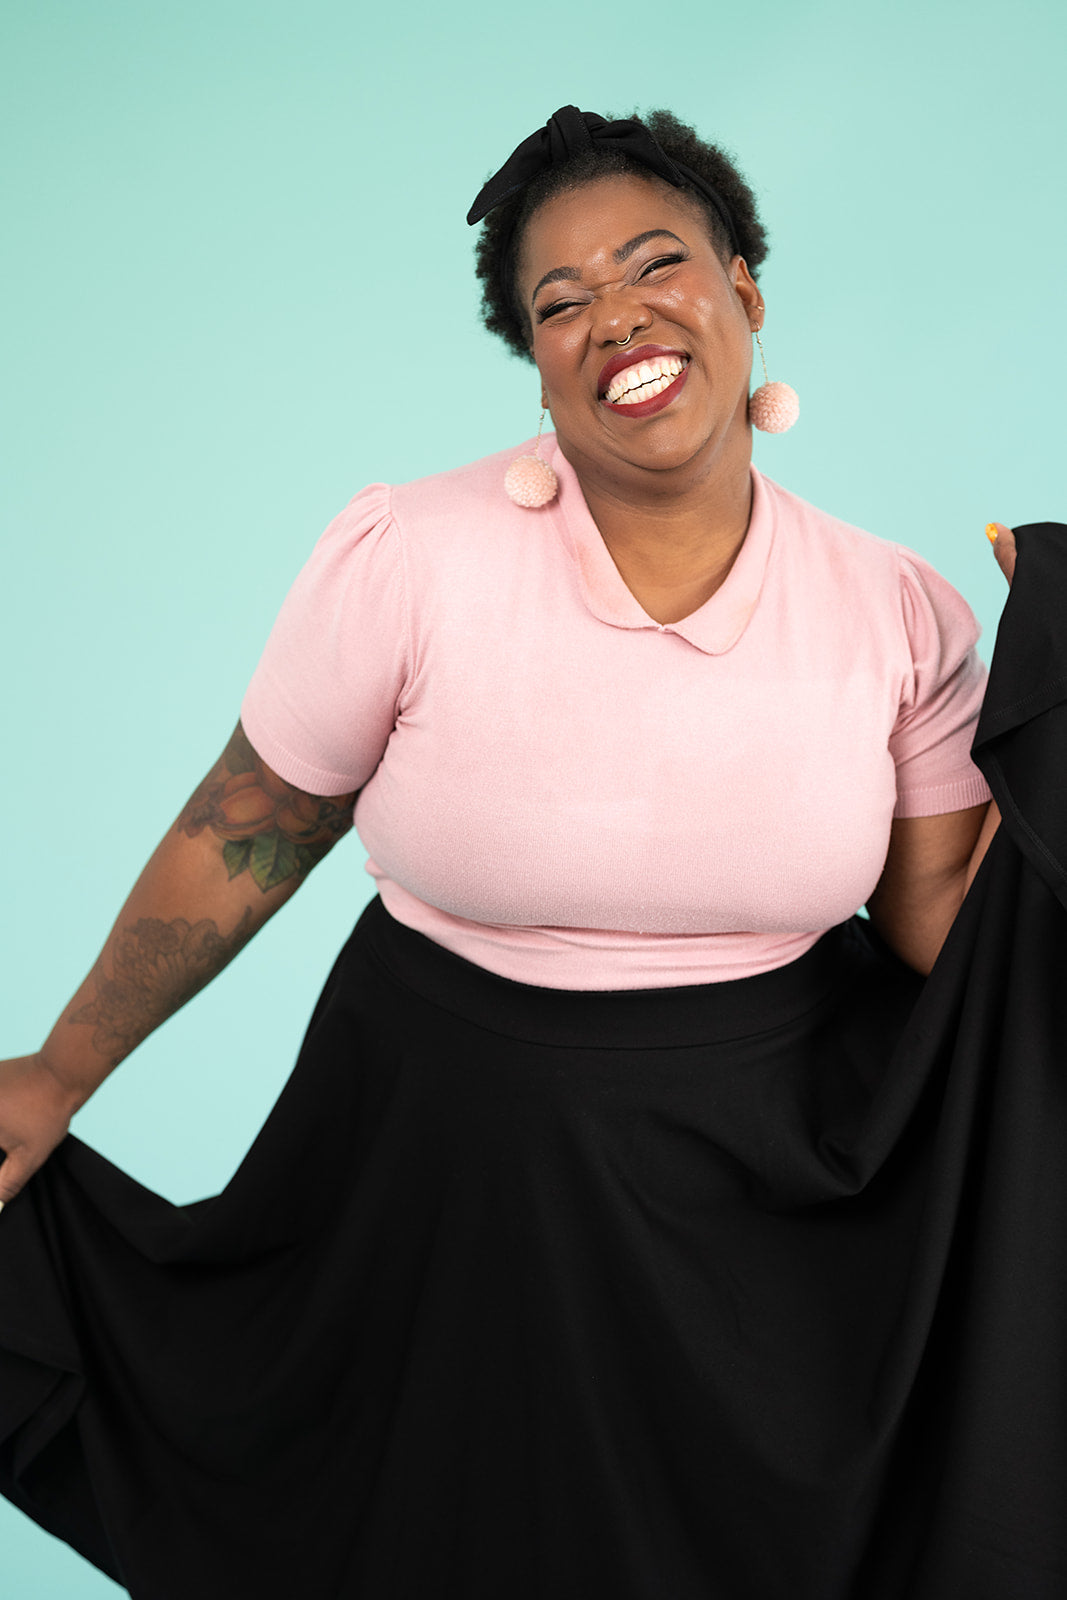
pixel 641 1019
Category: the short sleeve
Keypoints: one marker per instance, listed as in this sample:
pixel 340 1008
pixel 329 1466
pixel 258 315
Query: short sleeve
pixel 323 699
pixel 931 741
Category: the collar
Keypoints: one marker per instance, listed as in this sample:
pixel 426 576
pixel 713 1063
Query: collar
pixel 720 621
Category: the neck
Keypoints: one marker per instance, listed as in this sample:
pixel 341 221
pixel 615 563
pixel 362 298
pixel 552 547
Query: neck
pixel 673 534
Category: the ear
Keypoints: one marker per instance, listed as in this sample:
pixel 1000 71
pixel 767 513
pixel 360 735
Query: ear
pixel 544 401
pixel 747 291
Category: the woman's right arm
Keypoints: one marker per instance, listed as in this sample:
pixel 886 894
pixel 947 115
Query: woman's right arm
pixel 242 845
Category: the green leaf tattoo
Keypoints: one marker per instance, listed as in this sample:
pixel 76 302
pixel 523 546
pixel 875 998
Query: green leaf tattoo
pixel 273 859
pixel 266 826
pixel 236 854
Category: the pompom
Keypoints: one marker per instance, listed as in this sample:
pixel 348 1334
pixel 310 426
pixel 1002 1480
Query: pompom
pixel 530 482
pixel 773 408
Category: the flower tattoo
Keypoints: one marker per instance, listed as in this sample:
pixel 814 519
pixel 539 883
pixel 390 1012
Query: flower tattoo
pixel 157 967
pixel 269 828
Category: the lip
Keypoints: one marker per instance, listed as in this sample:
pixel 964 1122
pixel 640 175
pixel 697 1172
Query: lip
pixel 629 358
pixel 646 408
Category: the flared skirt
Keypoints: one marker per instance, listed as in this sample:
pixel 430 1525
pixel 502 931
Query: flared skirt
pixel 741 1291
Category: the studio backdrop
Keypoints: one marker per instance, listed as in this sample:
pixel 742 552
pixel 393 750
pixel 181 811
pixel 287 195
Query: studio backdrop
pixel 239 287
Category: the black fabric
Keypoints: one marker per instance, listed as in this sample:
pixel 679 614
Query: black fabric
pixel 1021 740
pixel 569 133
pixel 751 1291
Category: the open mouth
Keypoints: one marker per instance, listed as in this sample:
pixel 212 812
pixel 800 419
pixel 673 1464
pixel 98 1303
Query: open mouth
pixel 644 379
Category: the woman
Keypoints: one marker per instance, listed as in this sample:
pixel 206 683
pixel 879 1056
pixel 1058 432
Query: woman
pixel 633 1222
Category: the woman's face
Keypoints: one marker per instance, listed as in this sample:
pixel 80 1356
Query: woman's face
pixel 625 255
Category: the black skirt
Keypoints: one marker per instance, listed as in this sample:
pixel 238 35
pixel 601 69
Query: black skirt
pixel 744 1291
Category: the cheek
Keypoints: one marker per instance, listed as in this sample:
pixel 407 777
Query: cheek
pixel 556 369
pixel 548 378
pixel 720 322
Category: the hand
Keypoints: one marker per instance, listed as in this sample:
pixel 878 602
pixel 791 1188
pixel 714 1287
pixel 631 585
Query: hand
pixel 1003 547
pixel 35 1113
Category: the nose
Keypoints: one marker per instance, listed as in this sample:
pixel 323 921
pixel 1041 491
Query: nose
pixel 618 316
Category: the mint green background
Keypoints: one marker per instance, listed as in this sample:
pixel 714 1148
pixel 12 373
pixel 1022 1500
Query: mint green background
pixel 239 287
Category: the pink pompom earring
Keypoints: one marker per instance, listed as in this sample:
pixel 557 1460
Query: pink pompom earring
pixel 529 481
pixel 773 407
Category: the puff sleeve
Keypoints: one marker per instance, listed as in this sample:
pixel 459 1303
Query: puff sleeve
pixel 941 697
pixel 323 699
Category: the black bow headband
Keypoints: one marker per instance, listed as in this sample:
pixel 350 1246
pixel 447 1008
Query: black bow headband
pixel 570 132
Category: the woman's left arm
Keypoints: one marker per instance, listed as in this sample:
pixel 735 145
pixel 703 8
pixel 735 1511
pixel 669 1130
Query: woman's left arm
pixel 927 872
pixel 932 861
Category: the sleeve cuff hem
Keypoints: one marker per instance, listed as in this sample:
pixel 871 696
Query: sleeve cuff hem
pixel 313 780
pixel 938 800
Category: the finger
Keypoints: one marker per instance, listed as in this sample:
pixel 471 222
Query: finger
pixel 1003 542
pixel 14 1175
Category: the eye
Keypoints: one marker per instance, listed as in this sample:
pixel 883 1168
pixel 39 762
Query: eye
pixel 543 312
pixel 662 261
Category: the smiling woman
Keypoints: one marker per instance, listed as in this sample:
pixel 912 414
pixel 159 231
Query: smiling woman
pixel 636 1220
pixel 686 310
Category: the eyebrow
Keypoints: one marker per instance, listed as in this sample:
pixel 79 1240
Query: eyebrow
pixel 623 253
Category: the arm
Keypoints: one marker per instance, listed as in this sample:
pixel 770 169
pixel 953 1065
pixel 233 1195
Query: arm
pixel 932 861
pixel 930 865
pixel 242 845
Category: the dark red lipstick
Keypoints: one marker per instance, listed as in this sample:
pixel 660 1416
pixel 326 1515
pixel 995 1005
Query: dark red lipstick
pixel 632 358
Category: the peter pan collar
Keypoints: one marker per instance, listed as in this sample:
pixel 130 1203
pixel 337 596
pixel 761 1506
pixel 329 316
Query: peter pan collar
pixel 719 622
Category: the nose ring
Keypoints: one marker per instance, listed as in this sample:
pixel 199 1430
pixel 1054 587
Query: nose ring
pixel 629 336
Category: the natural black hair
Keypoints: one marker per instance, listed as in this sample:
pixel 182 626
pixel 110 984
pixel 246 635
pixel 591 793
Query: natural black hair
pixel 500 241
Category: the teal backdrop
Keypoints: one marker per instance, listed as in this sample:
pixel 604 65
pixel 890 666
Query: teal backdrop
pixel 239 287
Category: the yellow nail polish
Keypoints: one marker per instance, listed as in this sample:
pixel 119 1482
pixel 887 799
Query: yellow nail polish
pixel 991 532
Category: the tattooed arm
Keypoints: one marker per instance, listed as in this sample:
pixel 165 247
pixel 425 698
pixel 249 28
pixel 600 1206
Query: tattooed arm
pixel 243 844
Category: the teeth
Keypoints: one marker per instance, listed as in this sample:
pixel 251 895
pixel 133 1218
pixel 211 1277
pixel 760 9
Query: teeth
pixel 645 379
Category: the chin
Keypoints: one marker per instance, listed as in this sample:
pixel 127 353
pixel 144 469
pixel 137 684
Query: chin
pixel 668 453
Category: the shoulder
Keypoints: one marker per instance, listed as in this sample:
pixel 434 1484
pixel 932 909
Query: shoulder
pixel 450 543
pixel 873 570
pixel 814 536
pixel 464 496
pixel 446 511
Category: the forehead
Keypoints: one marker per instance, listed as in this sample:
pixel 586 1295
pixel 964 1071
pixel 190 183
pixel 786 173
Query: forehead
pixel 586 225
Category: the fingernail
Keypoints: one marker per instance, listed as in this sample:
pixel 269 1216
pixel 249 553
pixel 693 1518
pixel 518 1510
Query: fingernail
pixel 991 532
pixel 1 1205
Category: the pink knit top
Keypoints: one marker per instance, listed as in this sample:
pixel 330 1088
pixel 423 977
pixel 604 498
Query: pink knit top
pixel 570 794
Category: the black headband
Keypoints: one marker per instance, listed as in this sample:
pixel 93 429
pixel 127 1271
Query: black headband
pixel 571 132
